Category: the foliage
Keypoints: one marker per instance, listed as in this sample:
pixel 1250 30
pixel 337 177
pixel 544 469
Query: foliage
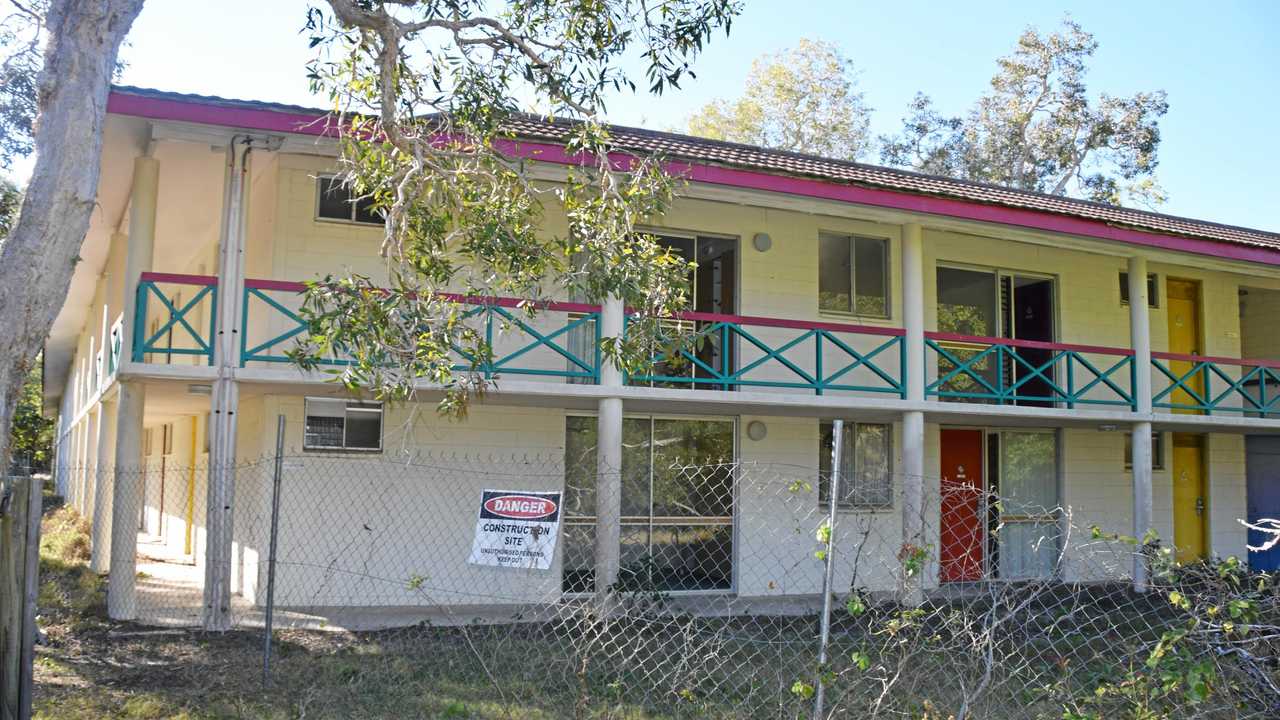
pixel 31 436
pixel 10 202
pixel 423 95
pixel 1038 128
pixel 804 99
pixel 21 38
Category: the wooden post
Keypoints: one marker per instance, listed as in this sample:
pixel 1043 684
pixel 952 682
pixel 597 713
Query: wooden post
pixel 19 582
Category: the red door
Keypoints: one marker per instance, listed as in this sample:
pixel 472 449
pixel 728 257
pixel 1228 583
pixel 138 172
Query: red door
pixel 960 556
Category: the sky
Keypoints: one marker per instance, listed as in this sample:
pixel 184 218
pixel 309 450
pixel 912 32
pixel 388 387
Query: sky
pixel 1218 62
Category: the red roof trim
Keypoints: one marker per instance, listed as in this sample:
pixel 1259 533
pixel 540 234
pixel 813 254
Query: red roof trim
pixel 309 124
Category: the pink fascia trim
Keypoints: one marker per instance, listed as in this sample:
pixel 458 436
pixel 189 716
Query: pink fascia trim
pixel 280 285
pixel 757 321
pixel 1217 360
pixel 308 124
pixel 178 278
pixel 1033 344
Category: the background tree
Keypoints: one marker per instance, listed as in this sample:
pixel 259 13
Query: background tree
pixel 1038 129
pixel 32 433
pixel 81 42
pixel 804 99
pixel 422 94
pixel 21 37
pixel 10 199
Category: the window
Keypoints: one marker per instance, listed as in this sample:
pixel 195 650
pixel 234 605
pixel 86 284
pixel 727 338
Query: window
pixel 1153 290
pixel 677 504
pixel 866 478
pixel 337 202
pixel 853 275
pixel 1157 451
pixel 342 425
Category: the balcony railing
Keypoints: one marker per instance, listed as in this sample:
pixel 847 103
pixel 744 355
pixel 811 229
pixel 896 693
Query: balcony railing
pixel 520 346
pixel 1028 372
pixel 177 316
pixel 820 357
pixel 1203 384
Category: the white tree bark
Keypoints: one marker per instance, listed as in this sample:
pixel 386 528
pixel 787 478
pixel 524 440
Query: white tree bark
pixel 40 254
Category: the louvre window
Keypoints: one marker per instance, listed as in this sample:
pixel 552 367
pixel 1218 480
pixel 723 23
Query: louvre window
pixel 1157 451
pixel 342 425
pixel 1153 290
pixel 866 467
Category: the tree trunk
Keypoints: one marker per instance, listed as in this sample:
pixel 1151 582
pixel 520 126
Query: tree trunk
pixel 41 252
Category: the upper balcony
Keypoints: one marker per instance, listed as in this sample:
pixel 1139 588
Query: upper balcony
pixel 744 353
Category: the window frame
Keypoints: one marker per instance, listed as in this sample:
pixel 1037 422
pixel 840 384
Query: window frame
pixel 1157 451
pixel 848 505
pixel 359 406
pixel 1153 289
pixel 351 201
pixel 851 239
pixel 734 523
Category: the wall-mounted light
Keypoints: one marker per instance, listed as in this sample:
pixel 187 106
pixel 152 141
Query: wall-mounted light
pixel 762 242
pixel 199 389
pixel 1108 428
pixel 757 430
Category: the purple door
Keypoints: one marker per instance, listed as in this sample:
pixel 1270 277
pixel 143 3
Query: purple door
pixel 1263 476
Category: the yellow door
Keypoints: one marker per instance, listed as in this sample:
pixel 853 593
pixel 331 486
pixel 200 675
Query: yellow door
pixel 1184 339
pixel 1189 501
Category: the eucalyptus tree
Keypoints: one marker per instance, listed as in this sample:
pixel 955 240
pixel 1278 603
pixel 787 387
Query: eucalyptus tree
pixel 1037 128
pixel 61 108
pixel 425 96
pixel 803 99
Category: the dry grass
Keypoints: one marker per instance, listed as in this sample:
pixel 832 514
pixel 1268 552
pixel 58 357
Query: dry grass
pixel 92 668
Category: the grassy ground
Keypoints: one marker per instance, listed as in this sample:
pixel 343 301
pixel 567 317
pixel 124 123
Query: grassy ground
pixel 90 667
pixel 741 667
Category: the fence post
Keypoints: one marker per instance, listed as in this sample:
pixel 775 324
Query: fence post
pixel 21 503
pixel 833 500
pixel 271 552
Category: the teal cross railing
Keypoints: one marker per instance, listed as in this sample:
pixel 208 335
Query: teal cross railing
pixel 1008 371
pixel 736 351
pixel 175 330
pixel 1198 383
pixel 564 342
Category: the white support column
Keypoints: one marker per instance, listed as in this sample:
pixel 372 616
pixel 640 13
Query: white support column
pixel 224 403
pixel 609 462
pixel 126 502
pixel 93 430
pixel 913 420
pixel 1140 341
pixel 126 491
pixel 100 543
pixel 142 239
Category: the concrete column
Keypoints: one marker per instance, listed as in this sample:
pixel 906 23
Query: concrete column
pixel 609 461
pixel 126 501
pixel 126 491
pixel 93 424
pixel 1140 341
pixel 142 239
pixel 100 552
pixel 913 308
pixel 913 421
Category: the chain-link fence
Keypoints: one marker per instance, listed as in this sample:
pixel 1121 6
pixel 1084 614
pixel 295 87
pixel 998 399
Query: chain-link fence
pixel 482 571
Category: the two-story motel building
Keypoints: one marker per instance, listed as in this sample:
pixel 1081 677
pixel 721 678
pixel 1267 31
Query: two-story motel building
pixel 947 323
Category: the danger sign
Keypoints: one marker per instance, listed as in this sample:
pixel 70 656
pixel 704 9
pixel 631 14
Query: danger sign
pixel 516 529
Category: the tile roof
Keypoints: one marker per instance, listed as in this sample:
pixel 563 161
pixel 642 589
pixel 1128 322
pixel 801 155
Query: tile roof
pixel 735 155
